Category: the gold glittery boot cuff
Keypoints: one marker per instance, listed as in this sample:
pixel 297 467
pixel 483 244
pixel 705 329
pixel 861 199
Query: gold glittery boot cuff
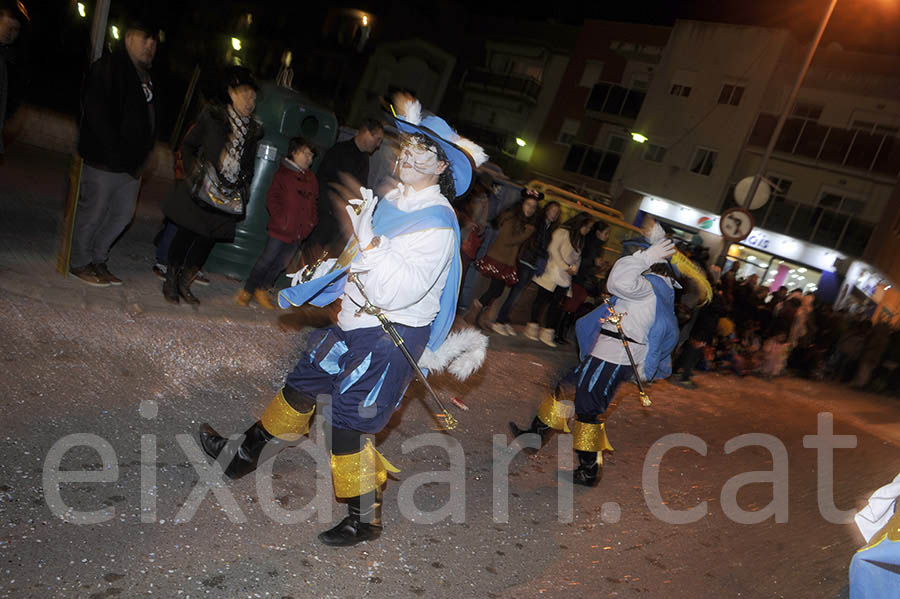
pixel 283 421
pixel 590 437
pixel 555 414
pixel 358 473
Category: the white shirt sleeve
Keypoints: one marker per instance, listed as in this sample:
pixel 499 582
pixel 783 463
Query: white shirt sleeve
pixel 402 270
pixel 625 278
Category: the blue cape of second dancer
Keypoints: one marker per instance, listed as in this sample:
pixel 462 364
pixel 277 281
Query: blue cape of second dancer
pixel 661 339
pixel 390 221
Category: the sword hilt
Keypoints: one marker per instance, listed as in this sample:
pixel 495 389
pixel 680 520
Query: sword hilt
pixel 311 269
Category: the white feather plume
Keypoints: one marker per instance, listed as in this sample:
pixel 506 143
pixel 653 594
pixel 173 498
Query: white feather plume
pixel 409 108
pixel 477 153
pixel 462 353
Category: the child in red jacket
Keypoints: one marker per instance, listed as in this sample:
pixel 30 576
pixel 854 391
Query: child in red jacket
pixel 291 203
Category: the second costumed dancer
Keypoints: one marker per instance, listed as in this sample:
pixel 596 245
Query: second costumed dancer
pixel 642 285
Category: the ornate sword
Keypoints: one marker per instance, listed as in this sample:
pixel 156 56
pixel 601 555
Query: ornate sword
pixel 616 319
pixel 445 418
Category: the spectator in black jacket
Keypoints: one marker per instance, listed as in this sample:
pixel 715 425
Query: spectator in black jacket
pixel 344 169
pixel 117 132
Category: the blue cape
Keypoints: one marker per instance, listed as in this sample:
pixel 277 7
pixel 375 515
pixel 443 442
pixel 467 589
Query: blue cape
pixel 389 221
pixel 875 570
pixel 661 339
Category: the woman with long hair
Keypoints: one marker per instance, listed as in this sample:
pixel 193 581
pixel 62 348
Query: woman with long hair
pixel 589 281
pixel 532 261
pixel 515 225
pixel 564 252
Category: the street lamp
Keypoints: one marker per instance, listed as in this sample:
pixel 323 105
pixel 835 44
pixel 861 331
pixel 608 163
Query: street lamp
pixel 751 193
pixel 236 44
pixel 638 137
pixel 521 142
pixel 115 32
pixel 82 12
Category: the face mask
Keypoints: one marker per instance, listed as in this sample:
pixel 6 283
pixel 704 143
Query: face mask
pixel 419 157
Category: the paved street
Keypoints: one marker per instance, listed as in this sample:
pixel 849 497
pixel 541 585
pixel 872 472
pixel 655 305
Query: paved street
pixel 127 372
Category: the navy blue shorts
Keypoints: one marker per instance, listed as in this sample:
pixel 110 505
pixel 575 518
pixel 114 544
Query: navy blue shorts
pixel 362 370
pixel 595 383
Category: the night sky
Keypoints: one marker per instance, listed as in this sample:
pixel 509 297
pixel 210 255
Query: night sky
pixel 863 25
pixel 55 46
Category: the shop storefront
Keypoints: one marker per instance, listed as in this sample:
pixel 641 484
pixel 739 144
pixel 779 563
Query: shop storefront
pixel 772 271
pixel 778 260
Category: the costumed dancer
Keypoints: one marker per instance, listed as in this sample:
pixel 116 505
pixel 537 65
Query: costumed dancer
pixel 404 259
pixel 875 568
pixel 643 294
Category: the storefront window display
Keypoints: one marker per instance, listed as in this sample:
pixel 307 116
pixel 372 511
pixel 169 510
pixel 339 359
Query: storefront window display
pixel 773 272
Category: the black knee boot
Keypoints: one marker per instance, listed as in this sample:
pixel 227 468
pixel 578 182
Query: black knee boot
pixel 246 458
pixel 537 426
pixel 562 329
pixel 185 278
pixel 588 468
pixel 170 285
pixel 363 521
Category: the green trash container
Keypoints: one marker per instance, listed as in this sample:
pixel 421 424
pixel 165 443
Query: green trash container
pixel 285 113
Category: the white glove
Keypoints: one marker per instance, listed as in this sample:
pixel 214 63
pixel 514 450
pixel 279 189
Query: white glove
pixel 659 251
pixel 362 222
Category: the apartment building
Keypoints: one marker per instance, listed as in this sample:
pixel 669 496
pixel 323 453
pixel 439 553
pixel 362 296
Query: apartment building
pixel 600 96
pixel 708 115
pixel 506 100
pixel 413 65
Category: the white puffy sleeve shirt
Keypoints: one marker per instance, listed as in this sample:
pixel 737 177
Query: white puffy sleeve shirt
pixel 405 275
pixel 637 299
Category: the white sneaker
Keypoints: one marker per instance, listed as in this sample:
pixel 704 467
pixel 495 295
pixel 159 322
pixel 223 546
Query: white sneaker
pixel 499 328
pixel 509 330
pixel 531 331
pixel 546 337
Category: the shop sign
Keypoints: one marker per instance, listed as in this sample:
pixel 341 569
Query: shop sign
pixel 758 239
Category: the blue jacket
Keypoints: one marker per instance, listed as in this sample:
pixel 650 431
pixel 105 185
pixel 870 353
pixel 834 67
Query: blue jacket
pixel 661 339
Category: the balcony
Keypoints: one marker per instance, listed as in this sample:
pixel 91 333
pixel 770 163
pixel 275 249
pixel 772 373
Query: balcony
pixel 507 84
pixel 612 99
pixel 876 153
pixel 486 137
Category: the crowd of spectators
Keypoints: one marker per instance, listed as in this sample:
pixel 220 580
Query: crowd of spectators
pixel 749 329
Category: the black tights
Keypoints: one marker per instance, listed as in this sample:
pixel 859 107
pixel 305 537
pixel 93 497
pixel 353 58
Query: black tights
pixel 552 301
pixel 189 249
pixel 494 290
pixel 340 442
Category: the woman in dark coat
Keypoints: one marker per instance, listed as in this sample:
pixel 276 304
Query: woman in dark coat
pixel 225 136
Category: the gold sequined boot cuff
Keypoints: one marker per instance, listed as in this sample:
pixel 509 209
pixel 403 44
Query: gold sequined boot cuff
pixel 591 437
pixel 358 473
pixel 282 421
pixel 555 414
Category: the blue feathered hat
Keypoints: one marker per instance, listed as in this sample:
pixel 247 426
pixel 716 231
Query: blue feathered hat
pixel 462 153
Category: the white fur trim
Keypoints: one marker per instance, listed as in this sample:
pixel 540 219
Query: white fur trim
pixel 409 109
pixel 477 153
pixel 461 353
